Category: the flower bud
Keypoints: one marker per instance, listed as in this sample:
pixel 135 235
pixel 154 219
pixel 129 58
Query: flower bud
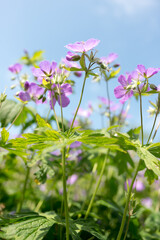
pixel 153 87
pixel 3 97
pixel 72 57
pixel 13 86
pixel 40 97
pixel 43 99
pixel 26 85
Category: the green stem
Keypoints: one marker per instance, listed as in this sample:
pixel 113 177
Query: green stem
pixel 134 177
pixel 127 203
pixel 79 100
pixel 59 90
pixel 108 96
pixel 65 193
pixel 54 112
pixel 16 117
pixel 141 115
pixel 155 132
pixel 127 227
pixel 153 125
pixel 96 188
pixel 24 190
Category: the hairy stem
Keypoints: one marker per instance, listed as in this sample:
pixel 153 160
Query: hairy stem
pixel 59 90
pixel 109 104
pixel 127 203
pixel 80 100
pixel 134 177
pixel 153 125
pixel 54 112
pixel 155 132
pixel 16 117
pixel 65 193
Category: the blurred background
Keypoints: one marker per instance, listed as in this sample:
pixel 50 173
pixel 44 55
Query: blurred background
pixel 128 28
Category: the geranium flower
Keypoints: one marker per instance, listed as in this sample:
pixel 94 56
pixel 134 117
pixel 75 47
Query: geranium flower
pixel 46 70
pixel 124 92
pixel 109 59
pixel 146 73
pixel 58 91
pixel 16 68
pixel 83 46
pixel 33 92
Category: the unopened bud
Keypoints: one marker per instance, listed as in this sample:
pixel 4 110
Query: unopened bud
pixel 40 97
pixel 116 65
pixel 153 87
pixel 43 99
pixel 3 97
pixel 13 86
pixel 26 85
pixel 13 78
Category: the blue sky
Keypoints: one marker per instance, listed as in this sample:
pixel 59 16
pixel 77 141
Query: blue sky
pixel 129 28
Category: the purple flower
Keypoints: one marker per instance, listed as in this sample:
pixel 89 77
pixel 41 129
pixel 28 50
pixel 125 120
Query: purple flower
pixel 147 202
pixel 60 91
pixel 26 85
pixel 72 179
pixel 83 46
pixel 16 68
pixel 138 185
pixel 33 92
pixel 46 70
pixel 75 144
pixel 109 59
pixel 123 91
pixel 84 112
pixel 147 73
pixel 113 106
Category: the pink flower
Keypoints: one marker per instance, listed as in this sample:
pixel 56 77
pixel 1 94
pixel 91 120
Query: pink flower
pixel 16 68
pixel 83 46
pixel 146 73
pixel 60 93
pixel 46 70
pixel 122 91
pixel 109 59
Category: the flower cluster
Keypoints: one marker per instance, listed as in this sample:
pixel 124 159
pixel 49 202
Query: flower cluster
pixel 134 82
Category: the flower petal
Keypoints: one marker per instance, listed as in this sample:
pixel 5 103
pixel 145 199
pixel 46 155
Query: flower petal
pixel 67 89
pixel 119 91
pixel 24 96
pixel 122 80
pixel 65 101
pixel 45 66
pixel 91 43
pixel 141 69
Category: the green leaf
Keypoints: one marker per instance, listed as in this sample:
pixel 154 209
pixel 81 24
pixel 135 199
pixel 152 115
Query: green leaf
pixel 4 135
pixel 150 160
pixel 73 69
pixel 82 62
pixel 37 56
pixel 150 175
pixel 32 229
pixel 41 122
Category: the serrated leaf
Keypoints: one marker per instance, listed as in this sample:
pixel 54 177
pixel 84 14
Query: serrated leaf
pixel 32 229
pixel 41 122
pixel 150 160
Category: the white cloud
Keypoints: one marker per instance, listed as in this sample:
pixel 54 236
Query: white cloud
pixel 125 7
